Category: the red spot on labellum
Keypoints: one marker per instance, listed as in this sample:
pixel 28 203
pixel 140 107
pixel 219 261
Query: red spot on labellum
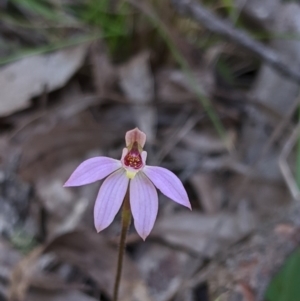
pixel 133 158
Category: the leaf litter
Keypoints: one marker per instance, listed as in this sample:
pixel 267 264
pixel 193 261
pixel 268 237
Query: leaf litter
pixel 72 104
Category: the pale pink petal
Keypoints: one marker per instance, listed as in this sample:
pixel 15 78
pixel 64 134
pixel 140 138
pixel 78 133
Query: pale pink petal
pixel 144 157
pixel 168 184
pixel 92 170
pixel 135 135
pixel 144 204
pixel 110 199
pixel 124 153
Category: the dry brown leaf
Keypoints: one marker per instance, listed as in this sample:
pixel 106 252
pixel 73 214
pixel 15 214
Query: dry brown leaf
pixel 95 258
pixel 137 82
pixel 85 250
pixel 205 142
pixel 104 74
pixel 209 191
pixel 22 274
pixel 30 76
pixel 46 152
pixel 205 235
pixel 44 122
pixel 28 272
pixel 8 256
pixel 8 259
pixel 53 195
pixel 163 270
pixel 173 86
pixel 136 79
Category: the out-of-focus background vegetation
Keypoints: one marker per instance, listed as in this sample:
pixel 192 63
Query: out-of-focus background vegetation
pixel 75 75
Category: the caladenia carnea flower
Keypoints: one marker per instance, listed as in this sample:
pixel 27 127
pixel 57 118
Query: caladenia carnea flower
pixel 132 173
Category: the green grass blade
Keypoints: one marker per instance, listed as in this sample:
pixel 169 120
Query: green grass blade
pixel 156 22
pixel 48 48
pixel 285 285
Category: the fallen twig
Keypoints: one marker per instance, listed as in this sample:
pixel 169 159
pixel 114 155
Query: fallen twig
pixel 197 12
pixel 276 133
pixel 284 166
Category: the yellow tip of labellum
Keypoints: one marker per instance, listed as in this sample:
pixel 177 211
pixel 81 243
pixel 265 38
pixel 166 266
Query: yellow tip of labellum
pixel 130 174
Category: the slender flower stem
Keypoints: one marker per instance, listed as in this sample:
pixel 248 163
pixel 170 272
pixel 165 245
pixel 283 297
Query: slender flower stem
pixel 126 219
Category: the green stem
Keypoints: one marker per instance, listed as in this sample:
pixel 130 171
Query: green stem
pixel 126 219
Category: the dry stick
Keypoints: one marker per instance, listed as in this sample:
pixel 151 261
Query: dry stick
pixel 274 136
pixel 178 136
pixel 225 29
pixel 126 219
pixel 280 128
pixel 165 33
pixel 284 166
pixel 54 115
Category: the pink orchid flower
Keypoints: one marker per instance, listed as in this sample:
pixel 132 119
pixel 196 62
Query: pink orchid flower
pixel 131 171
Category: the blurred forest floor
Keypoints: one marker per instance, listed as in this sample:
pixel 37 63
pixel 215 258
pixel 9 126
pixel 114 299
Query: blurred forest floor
pixel 213 84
